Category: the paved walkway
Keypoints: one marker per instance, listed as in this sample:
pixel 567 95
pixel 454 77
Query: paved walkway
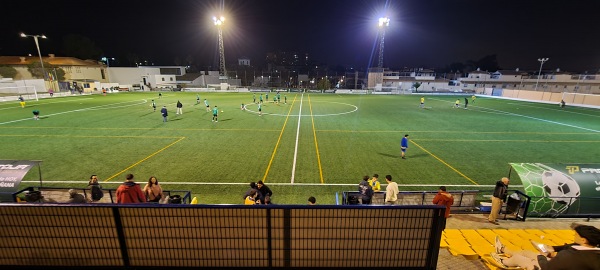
pixel 447 261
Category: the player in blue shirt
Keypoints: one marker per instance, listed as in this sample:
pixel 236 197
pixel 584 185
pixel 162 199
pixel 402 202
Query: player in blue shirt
pixel 404 145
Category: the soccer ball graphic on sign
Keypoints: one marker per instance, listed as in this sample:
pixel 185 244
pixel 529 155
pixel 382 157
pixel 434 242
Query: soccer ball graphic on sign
pixel 560 187
pixel 551 191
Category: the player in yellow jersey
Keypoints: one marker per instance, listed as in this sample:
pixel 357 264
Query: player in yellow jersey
pixel 422 102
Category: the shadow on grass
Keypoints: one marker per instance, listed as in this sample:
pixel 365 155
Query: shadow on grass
pixel 147 114
pixel 388 155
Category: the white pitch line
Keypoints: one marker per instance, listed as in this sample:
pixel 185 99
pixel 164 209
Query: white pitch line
pixel 270 184
pixel 531 117
pixel 297 138
pixel 99 107
pixel 553 109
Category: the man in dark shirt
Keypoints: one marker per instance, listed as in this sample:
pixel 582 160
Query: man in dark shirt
pixel 499 196
pixel 265 192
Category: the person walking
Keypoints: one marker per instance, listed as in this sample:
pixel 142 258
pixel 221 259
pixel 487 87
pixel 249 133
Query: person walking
pixel 179 108
pixel 391 191
pixel 499 196
pixel 466 103
pixel 164 113
pixel 130 192
pixel 422 102
pixel 404 146
pixel 444 198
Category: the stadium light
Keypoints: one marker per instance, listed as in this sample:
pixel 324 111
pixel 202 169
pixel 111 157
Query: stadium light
pixel 219 23
pixel 542 61
pixel 37 45
pixel 106 59
pixel 384 22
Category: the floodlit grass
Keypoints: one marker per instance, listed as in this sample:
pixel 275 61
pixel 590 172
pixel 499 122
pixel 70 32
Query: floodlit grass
pixel 318 141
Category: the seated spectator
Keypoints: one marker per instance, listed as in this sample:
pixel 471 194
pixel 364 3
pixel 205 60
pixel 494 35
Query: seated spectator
pixel 265 192
pixel 444 198
pixel 153 190
pixel 95 188
pixel 252 198
pixel 76 197
pixel 252 187
pixel 312 200
pixel 584 253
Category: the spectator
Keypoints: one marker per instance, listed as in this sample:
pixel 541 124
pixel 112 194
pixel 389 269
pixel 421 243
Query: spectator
pixel 365 190
pixel 312 200
pixel 75 197
pixel 499 196
pixel 129 191
pixel 265 192
pixel 444 198
pixel 164 113
pixel 584 253
pixel 252 198
pixel 391 191
pixel 153 190
pixel 252 187
pixel 374 183
pixel 95 188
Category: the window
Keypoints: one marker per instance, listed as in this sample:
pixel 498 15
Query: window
pixel 171 79
pixel 163 79
pixel 102 74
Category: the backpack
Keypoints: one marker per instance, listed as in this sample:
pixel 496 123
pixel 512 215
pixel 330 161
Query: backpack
pixel 97 193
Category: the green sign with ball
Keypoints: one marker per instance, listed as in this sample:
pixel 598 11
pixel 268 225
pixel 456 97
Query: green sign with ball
pixel 561 188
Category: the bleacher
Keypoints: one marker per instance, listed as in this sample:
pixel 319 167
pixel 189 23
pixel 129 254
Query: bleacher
pixel 144 236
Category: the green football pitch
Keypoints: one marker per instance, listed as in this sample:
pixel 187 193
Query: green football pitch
pixel 314 145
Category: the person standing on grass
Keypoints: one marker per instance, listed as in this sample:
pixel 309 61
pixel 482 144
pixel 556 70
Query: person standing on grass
pixel 404 146
pixel 253 97
pixel 259 109
pixel 36 114
pixel 473 98
pixel 207 106
pixel 260 99
pixel 153 105
pixel 284 99
pixel 215 111
pixel 179 108
pixel 130 192
pixel 21 101
pixel 444 198
pixel 466 103
pixel 197 98
pixel 164 113
pixel 422 102
pixel 391 191
pixel 457 103
pixel 499 196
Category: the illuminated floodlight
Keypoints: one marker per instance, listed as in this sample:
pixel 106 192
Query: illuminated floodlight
pixel 218 21
pixel 385 21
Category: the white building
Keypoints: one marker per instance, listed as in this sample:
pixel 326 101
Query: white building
pixel 145 77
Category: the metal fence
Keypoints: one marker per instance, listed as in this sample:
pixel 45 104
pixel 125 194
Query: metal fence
pixel 151 236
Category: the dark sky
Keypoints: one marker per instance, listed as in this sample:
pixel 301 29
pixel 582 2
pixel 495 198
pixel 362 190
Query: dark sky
pixel 422 33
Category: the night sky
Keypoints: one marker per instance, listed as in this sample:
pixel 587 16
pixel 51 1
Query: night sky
pixel 422 33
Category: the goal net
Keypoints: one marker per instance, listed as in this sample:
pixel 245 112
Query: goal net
pixel 13 92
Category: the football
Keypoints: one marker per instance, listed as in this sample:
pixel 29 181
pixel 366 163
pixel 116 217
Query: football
pixel 560 187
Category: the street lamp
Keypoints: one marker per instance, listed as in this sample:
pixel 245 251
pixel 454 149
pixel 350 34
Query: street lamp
pixel 106 59
pixel 542 61
pixel 37 45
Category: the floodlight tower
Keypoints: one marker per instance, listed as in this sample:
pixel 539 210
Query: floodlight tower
pixel 542 61
pixel 383 24
pixel 219 23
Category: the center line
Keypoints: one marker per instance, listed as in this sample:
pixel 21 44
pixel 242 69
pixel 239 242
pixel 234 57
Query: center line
pixel 297 136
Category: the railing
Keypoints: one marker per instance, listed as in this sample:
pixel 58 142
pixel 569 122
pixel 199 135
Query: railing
pixel 152 236
pixel 61 195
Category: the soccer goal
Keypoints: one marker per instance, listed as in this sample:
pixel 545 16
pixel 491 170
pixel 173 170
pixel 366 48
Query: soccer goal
pixel 13 92
pixel 584 100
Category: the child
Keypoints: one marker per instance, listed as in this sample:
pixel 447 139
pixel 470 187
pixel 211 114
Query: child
pixel 36 114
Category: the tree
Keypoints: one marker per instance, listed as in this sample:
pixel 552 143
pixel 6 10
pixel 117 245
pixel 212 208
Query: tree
pixel 35 68
pixel 8 72
pixel 80 47
pixel 323 84
pixel 59 73
pixel 416 85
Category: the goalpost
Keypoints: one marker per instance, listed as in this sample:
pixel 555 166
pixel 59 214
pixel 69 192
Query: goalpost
pixel 13 92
